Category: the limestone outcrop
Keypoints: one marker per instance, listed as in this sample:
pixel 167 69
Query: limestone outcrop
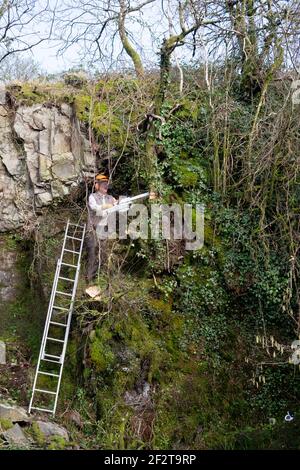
pixel 15 414
pixel 16 437
pixel 18 430
pixel 43 155
pixel 49 429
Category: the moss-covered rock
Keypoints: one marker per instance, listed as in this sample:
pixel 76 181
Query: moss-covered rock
pixel 102 356
pixel 98 114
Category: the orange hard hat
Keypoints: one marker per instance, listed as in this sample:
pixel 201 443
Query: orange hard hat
pixel 101 178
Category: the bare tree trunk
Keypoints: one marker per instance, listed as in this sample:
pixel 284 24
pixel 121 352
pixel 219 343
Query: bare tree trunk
pixel 138 66
pixel 166 50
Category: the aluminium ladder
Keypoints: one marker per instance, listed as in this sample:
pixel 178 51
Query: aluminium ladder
pixel 58 321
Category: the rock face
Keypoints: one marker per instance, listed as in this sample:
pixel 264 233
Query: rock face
pixel 43 155
pixel 9 276
pixel 15 414
pixel 16 437
pixel 51 429
pixel 2 352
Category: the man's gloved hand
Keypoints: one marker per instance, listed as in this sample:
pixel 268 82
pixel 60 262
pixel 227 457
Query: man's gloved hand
pixel 152 195
pixel 106 206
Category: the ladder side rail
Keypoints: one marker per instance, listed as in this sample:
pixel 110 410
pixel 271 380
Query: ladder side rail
pixel 70 312
pixel 65 239
pixel 51 303
pixel 66 340
pixel 73 295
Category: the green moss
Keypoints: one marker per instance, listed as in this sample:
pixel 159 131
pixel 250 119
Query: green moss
pixel 135 334
pixel 11 242
pixel 213 240
pixel 72 353
pixel 188 110
pixel 99 116
pixel 5 424
pixel 57 443
pixel 186 176
pixel 83 106
pixel 37 434
pixel 187 405
pixel 28 94
pixel 110 88
pixel 102 356
pixel 160 305
pixel 31 93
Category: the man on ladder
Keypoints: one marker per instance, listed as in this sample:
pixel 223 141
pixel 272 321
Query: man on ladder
pixel 97 202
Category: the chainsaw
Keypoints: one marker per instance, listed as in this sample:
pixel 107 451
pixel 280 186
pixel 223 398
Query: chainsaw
pixel 124 204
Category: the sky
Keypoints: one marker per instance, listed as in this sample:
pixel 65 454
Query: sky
pixel 46 55
pixel 148 43
pixel 146 29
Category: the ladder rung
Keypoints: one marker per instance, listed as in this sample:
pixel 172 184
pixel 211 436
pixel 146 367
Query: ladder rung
pixel 42 409
pixel 44 391
pixel 60 308
pixel 56 323
pixel 48 373
pixel 70 265
pixel 75 225
pixel 54 339
pixel 72 251
pixel 66 279
pixel 63 293
pixel 50 360
pixel 74 238
pixel 51 355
